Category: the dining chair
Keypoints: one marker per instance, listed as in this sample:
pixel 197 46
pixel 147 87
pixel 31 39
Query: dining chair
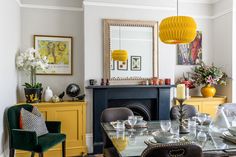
pixel 109 115
pixel 28 140
pixel 188 111
pixel 173 150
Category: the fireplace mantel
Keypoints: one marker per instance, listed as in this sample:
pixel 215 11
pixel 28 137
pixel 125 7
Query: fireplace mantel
pixel 103 94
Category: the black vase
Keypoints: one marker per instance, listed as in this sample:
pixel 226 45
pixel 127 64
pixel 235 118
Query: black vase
pixel 33 95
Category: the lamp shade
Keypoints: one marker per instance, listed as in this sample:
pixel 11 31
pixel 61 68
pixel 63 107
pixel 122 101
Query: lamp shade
pixel 177 30
pixel 119 55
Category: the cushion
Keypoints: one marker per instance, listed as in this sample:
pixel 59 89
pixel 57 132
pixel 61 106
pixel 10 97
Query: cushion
pixel 33 121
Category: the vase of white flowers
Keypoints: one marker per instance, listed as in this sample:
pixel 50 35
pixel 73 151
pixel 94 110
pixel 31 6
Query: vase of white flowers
pixel 30 61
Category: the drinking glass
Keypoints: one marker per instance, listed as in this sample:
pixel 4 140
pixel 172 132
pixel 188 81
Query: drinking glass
pixel 165 125
pixel 175 129
pixel 192 127
pixel 132 120
pixel 201 136
pixel 201 118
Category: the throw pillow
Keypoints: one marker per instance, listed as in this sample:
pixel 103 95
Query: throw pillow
pixel 33 121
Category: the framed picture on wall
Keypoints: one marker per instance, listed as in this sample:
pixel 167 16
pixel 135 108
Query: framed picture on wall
pixel 190 54
pixel 136 63
pixel 122 65
pixel 58 50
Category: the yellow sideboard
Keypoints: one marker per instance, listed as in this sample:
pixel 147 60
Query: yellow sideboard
pixel 206 105
pixel 73 123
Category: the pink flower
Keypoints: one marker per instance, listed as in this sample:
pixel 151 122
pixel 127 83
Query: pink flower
pixel 210 80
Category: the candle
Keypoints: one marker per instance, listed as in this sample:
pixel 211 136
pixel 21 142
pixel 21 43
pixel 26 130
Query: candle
pixel 180 91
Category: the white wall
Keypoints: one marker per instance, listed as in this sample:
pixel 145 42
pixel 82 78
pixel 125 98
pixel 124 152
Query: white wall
pixel 94 12
pixel 54 22
pixel 10 44
pixel 223 43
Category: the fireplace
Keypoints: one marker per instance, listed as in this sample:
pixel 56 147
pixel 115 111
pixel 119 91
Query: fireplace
pixel 151 102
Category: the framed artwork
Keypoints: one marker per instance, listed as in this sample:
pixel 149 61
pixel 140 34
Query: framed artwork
pixel 112 64
pixel 136 63
pixel 58 50
pixel 122 65
pixel 190 54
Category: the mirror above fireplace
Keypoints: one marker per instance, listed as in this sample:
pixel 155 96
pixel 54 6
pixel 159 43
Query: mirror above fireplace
pixel 139 38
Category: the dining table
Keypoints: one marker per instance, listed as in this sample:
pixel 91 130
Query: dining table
pixel 132 143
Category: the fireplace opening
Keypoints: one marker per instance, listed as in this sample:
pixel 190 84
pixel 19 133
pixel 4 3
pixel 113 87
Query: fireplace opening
pixel 143 107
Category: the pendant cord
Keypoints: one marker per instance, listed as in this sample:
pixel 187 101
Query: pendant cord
pixel 177 7
pixel 119 39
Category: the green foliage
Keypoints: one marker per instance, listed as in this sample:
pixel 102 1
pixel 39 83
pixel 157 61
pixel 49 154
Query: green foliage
pixel 36 85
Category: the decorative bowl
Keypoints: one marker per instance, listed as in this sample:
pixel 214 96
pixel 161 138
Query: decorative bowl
pixel 162 137
pixel 232 130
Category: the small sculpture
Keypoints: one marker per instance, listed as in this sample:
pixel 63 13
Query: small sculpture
pixel 81 97
pixel 107 82
pixel 61 96
pixel 102 82
pixel 55 99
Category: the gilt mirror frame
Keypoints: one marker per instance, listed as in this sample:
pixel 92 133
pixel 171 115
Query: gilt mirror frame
pixel 107 44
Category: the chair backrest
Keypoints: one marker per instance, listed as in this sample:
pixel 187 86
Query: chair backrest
pixel 188 111
pixel 173 150
pixel 13 114
pixel 113 114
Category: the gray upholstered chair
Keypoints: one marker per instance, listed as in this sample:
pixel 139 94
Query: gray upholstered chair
pixel 109 115
pixel 188 111
pixel 173 150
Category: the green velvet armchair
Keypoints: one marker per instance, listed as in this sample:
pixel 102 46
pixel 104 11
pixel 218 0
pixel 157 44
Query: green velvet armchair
pixel 28 140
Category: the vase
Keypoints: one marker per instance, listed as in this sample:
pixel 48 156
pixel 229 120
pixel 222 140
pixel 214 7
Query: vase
pixel 208 91
pixel 33 95
pixel 48 94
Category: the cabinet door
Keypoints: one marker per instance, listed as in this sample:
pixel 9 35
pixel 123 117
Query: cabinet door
pixel 197 105
pixel 210 107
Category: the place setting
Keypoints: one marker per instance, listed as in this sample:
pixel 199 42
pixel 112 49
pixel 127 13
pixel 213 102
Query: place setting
pixel 134 124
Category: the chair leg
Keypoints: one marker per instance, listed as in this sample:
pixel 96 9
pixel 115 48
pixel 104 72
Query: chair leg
pixel 64 149
pixel 40 154
pixel 12 152
pixel 32 154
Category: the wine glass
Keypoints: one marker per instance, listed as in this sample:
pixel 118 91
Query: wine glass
pixel 165 125
pixel 202 117
pixel 132 120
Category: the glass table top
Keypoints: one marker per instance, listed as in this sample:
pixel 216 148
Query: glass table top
pixel 133 143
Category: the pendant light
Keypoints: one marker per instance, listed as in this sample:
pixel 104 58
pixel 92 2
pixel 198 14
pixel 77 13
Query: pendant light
pixel 119 54
pixel 177 29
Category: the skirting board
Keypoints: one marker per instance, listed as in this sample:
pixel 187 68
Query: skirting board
pixel 89 141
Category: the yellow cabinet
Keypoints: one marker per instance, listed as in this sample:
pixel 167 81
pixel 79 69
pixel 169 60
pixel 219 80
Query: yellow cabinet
pixel 73 123
pixel 206 105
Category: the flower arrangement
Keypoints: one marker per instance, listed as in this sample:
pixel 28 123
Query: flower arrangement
pixel 208 75
pixel 187 80
pixel 31 61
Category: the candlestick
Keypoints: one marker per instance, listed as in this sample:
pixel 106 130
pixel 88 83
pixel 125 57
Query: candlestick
pixel 180 91
pixel 182 128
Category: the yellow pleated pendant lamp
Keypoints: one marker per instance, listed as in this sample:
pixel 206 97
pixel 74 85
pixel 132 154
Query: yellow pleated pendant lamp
pixel 119 54
pixel 177 29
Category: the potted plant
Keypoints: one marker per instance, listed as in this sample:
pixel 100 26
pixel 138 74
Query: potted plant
pixel 30 61
pixel 208 76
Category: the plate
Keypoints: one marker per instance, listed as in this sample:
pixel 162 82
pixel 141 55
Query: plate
pixel 142 124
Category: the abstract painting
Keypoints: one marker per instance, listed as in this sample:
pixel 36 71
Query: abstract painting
pixel 136 63
pixel 190 54
pixel 58 50
pixel 122 65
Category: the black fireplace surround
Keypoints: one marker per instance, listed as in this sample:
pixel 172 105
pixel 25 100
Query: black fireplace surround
pixel 151 102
